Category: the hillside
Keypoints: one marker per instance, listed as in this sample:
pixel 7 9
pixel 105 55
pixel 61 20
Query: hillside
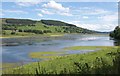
pixel 26 26
pixel 56 23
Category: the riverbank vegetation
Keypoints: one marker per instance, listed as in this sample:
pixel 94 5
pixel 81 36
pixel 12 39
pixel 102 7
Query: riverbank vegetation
pixel 104 61
pixel 51 54
pixel 116 33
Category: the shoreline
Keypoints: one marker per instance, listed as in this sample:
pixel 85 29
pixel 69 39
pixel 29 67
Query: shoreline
pixel 46 35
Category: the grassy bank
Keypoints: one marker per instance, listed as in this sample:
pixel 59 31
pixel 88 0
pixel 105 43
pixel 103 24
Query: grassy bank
pixel 54 54
pixel 87 47
pixel 18 35
pixel 44 54
pixel 104 61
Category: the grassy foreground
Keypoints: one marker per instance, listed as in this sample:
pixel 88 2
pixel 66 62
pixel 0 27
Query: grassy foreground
pixel 104 61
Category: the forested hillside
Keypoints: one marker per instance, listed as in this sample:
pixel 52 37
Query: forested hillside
pixel 56 23
pixel 25 26
pixel 116 33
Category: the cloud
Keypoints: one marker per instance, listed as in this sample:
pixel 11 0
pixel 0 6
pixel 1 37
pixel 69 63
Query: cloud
pixel 97 18
pixel 66 14
pixel 53 12
pixel 98 27
pixel 57 6
pixel 85 17
pixel 99 11
pixel 27 3
pixel 15 11
pixel 62 0
pixel 91 11
pixel 109 18
pixel 26 0
pixel 46 12
pixel 52 7
pixel 40 15
pixel 95 26
pixel 1 14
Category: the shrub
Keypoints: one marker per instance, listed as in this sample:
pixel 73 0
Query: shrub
pixel 13 33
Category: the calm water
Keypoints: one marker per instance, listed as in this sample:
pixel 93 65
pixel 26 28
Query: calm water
pixel 21 47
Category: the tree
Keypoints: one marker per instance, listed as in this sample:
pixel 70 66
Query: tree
pixel 116 33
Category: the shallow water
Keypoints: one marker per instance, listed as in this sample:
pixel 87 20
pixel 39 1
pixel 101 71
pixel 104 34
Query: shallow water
pixel 18 49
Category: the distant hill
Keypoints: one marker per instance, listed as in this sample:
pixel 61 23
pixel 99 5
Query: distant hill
pixel 16 26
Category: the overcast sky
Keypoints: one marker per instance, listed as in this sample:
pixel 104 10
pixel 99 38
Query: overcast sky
pixel 99 16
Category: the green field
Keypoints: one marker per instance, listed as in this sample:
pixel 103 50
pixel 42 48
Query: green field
pixel 103 61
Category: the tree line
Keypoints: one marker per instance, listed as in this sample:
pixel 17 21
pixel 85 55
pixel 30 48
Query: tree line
pixel 56 23
pixel 20 21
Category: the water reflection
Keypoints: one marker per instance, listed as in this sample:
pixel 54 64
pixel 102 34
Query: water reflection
pixel 117 42
pixel 18 49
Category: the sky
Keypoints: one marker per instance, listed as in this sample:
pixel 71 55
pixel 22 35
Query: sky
pixel 99 16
